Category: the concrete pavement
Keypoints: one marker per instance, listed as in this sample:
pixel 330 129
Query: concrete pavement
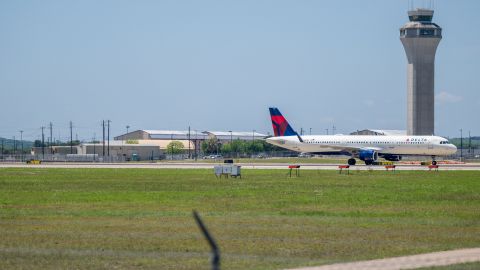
pixel 204 165
pixel 442 258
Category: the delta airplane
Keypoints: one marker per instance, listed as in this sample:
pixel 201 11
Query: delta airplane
pixel 365 148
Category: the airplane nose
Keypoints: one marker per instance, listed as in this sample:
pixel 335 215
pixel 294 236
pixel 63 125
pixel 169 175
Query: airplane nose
pixel 453 149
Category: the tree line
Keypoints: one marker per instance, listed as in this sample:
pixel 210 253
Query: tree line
pixel 237 147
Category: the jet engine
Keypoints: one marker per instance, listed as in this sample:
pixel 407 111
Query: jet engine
pixel 368 156
pixel 392 157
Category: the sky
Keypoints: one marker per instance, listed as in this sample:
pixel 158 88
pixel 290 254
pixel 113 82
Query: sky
pixel 219 65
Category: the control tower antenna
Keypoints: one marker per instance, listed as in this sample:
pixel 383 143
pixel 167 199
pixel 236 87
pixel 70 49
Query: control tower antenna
pixel 420 38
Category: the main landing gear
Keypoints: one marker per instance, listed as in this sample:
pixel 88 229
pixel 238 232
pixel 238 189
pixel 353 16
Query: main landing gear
pixel 434 162
pixel 351 161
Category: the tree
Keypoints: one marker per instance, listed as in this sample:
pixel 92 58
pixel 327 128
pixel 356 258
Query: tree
pixel 210 146
pixel 175 147
pixel 38 143
pixel 226 149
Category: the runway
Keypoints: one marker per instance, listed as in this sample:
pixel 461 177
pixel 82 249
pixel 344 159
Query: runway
pixel 204 165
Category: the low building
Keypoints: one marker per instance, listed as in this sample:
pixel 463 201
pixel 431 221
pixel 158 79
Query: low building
pixel 120 149
pixel 55 149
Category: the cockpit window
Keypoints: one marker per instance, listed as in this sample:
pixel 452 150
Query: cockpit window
pixel 444 142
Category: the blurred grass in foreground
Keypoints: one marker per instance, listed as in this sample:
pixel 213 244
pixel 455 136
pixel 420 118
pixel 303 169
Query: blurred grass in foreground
pixel 141 218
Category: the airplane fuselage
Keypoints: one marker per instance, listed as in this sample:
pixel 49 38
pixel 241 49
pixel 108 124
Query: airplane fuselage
pixel 391 145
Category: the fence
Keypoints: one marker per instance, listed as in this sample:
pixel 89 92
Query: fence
pixel 62 158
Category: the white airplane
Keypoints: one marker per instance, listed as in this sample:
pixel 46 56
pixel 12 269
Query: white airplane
pixel 365 148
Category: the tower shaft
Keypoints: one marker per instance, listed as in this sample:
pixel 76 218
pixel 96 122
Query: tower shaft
pixel 420 38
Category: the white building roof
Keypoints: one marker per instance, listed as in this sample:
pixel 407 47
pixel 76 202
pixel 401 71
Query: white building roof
pixel 118 143
pixel 236 133
pixel 175 134
pixel 162 144
pixel 197 135
pixel 171 132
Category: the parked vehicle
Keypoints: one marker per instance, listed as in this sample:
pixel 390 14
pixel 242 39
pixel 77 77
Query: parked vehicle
pixel 213 157
pixel 304 155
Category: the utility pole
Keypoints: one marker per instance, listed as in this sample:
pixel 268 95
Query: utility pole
pixel 310 131
pixel 189 143
pixel 93 147
pixel 171 146
pixel 469 142
pixel 461 144
pixel 333 130
pixel 108 138
pixel 21 142
pixel 51 137
pixel 2 148
pixel 71 137
pixel 43 143
pixel 103 138
pixel 196 146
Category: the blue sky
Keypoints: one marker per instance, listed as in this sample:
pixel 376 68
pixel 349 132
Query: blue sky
pixel 218 65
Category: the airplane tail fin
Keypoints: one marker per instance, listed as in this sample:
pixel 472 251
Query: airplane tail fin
pixel 280 125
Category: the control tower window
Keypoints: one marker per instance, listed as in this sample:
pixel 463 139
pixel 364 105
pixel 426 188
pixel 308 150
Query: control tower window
pixel 420 18
pixel 427 32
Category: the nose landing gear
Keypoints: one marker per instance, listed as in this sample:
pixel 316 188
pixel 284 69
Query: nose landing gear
pixel 434 162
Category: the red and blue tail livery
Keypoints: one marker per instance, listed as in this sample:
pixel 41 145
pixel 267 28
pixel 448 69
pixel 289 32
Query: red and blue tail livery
pixel 280 125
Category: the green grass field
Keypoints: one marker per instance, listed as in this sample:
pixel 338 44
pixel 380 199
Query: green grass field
pixel 134 218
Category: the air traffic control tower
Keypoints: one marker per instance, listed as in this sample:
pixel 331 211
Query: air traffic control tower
pixel 420 38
